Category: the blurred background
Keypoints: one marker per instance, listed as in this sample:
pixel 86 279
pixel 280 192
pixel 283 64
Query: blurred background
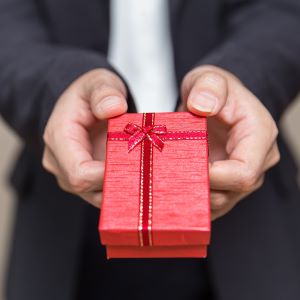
pixel 10 145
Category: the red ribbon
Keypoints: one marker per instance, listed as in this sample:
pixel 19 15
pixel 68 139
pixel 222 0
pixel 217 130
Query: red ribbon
pixel 149 132
pixel 149 135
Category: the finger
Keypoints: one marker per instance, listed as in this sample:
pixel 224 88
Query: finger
pixel 88 177
pixel 272 158
pixel 107 95
pixel 219 213
pixel 233 175
pixel 49 162
pixel 247 147
pixel 107 103
pixel 94 199
pixel 206 94
pixel 64 185
pixel 222 201
pixel 235 199
pixel 80 171
pixel 231 200
pixel 218 199
pixel 93 181
pixel 73 152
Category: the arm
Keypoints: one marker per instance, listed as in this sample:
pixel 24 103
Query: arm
pixel 57 95
pixel 33 71
pixel 261 47
pixel 253 72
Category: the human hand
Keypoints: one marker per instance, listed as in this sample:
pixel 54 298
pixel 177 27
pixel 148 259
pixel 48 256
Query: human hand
pixel 75 135
pixel 242 134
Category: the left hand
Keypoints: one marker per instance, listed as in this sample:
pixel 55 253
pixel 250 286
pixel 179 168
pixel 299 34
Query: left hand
pixel 75 134
pixel 242 134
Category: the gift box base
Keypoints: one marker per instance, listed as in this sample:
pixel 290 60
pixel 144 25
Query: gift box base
pixel 156 252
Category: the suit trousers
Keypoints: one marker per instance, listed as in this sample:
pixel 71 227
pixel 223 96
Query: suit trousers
pixel 144 279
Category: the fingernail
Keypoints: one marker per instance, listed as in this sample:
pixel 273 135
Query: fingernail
pixel 108 103
pixel 204 102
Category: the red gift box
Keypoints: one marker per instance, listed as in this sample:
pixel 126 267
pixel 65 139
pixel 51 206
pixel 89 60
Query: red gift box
pixel 156 186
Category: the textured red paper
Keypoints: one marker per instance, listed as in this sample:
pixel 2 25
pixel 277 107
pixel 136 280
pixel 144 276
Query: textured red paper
pixel 156 251
pixel 180 191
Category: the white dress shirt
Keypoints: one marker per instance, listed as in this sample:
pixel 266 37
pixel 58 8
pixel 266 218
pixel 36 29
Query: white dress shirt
pixel 140 49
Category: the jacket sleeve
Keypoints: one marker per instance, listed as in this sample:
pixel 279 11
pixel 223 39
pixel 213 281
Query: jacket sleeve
pixel 33 70
pixel 261 46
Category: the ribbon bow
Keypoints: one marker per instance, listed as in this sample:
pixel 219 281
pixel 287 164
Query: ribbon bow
pixel 138 134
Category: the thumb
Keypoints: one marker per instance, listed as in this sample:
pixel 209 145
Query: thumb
pixel 206 93
pixel 107 95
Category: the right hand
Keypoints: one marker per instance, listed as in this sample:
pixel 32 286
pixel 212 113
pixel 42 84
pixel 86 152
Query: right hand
pixel 242 134
pixel 75 135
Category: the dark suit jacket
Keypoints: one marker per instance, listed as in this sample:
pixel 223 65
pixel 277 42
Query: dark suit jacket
pixel 46 44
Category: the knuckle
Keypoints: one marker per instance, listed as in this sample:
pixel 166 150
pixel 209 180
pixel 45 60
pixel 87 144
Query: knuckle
pixel 192 81
pixel 218 201
pixel 96 200
pixel 277 157
pixel 104 90
pixel 104 75
pixel 45 163
pixel 260 183
pixel 103 87
pixel 46 137
pixel 100 90
pixel 213 78
pixel 77 182
pixel 248 179
pixel 190 77
pixel 62 185
pixel 274 131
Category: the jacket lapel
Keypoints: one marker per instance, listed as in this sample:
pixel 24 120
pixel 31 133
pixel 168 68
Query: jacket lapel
pixel 174 8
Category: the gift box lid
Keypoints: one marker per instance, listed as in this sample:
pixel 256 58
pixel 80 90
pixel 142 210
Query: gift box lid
pixel 170 206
